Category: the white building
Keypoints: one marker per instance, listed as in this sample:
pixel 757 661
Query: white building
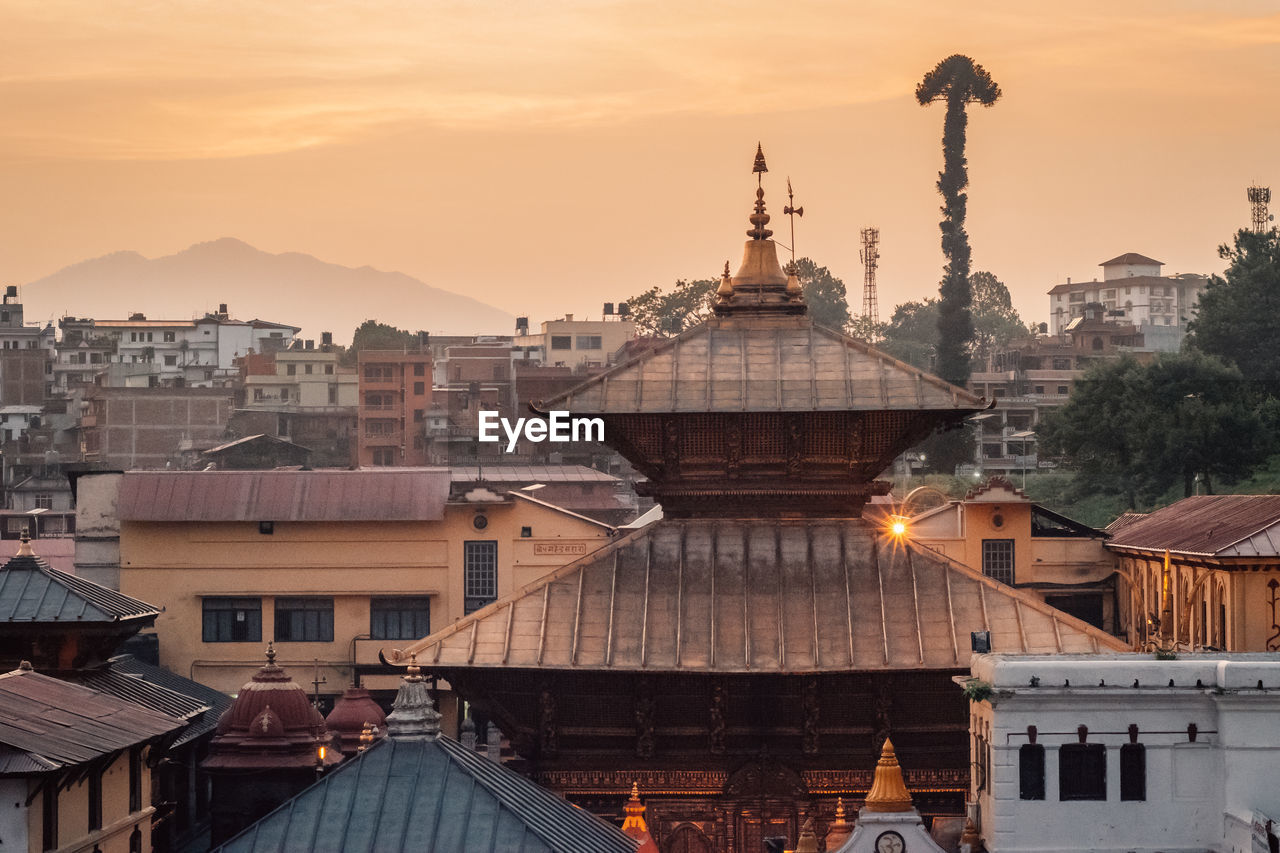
pixel 198 353
pixel 1133 290
pixel 570 342
pixel 1126 753
pixel 16 420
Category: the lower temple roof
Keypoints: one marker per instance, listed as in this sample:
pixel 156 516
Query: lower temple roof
pixel 755 595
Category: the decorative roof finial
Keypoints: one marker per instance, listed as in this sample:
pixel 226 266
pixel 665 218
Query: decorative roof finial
pixel 888 792
pixel 792 211
pixel 24 547
pixel 759 219
pixel 271 653
pixel 840 830
pixel 366 737
pixel 413 715
pixel 808 841
pixel 725 290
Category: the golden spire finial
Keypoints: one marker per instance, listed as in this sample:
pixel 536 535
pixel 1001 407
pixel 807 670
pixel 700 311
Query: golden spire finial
pixel 725 290
pixel 888 791
pixel 840 830
pixel 414 672
pixel 366 737
pixel 759 219
pixel 24 547
pixel 794 290
pixel 271 653
pixel 635 811
pixel 759 167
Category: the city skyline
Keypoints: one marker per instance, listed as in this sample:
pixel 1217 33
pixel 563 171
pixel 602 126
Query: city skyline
pixel 547 160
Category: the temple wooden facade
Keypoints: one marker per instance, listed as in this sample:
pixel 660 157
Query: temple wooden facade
pixel 744 659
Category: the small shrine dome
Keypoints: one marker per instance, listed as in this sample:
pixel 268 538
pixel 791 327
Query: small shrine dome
pixel 271 723
pixel 350 715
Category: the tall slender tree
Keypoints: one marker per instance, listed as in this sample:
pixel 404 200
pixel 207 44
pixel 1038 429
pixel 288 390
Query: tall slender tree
pixel 958 81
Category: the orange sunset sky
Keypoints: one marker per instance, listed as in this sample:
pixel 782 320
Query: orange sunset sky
pixel 548 156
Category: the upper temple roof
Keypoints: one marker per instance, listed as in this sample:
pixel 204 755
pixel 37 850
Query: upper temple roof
pixel 761 364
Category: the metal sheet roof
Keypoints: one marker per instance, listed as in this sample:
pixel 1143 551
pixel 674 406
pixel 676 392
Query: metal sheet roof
pixel 1219 525
pixel 60 724
pixel 397 494
pixel 31 591
pixel 761 365
pixel 760 595
pixel 417 795
pixel 530 474
pixel 214 701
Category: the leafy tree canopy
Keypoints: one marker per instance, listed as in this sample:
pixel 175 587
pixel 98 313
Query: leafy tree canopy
pixel 1136 430
pixel 688 303
pixel 995 322
pixel 1238 311
pixel 374 335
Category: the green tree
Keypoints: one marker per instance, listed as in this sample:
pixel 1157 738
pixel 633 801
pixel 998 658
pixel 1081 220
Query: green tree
pixel 911 335
pixel 374 335
pixel 1137 430
pixel 958 81
pixel 995 322
pixel 1238 310
pixel 668 314
pixel 826 295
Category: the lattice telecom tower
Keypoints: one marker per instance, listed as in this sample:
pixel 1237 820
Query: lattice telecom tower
pixel 1259 198
pixel 870 255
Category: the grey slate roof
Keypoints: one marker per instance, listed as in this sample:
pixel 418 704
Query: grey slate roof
pixel 761 365
pixel 427 795
pixel 49 723
pixel 31 591
pixel 758 595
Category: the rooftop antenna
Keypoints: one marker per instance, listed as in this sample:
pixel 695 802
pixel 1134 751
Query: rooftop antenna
pixel 870 256
pixel 1259 198
pixel 792 212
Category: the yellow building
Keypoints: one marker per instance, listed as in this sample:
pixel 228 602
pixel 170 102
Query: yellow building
pixel 1000 531
pixel 73 767
pixel 573 343
pixel 330 565
pixel 1203 573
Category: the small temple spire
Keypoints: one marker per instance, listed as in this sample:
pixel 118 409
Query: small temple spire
pixel 840 830
pixel 888 792
pixel 271 653
pixel 413 715
pixel 24 547
pixel 808 841
pixel 759 167
pixel 634 824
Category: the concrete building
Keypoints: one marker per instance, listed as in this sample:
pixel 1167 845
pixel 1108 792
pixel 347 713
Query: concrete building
pixel 570 342
pixel 1001 532
pixel 16 333
pixel 152 427
pixel 1125 753
pixel 198 353
pixel 332 565
pixel 394 398
pixel 1132 289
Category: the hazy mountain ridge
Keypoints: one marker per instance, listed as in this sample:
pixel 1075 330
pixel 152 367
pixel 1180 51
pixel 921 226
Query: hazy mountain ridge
pixel 290 287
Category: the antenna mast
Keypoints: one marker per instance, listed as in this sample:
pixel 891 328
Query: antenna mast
pixel 1259 198
pixel 870 256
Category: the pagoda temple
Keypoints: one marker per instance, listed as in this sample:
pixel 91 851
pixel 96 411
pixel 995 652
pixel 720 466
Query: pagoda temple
pixel 745 658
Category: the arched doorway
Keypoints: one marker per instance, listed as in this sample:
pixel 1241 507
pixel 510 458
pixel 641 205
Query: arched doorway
pixel 687 839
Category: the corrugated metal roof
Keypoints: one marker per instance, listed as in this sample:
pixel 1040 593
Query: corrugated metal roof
pixel 761 595
pixel 214 700
pixel 751 364
pixel 62 724
pixel 530 474
pixel 398 494
pixel 419 795
pixel 1221 525
pixel 32 591
pixel 131 688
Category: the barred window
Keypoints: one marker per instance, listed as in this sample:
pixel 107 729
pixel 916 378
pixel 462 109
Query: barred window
pixel 480 574
pixel 304 620
pixel 997 559
pixel 1133 772
pixel 232 620
pixel 1031 771
pixel 1082 771
pixel 400 617
pixel 561 342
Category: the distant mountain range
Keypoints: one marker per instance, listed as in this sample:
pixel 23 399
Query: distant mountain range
pixel 287 288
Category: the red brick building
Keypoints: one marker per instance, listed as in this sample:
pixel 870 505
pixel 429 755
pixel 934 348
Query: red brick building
pixel 395 395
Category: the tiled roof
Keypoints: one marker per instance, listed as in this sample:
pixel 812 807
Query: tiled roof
pixel 1130 258
pixel 760 595
pixel 1218 525
pixel 430 794
pixel 31 591
pixel 761 365
pixel 59 724
pixel 397 494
